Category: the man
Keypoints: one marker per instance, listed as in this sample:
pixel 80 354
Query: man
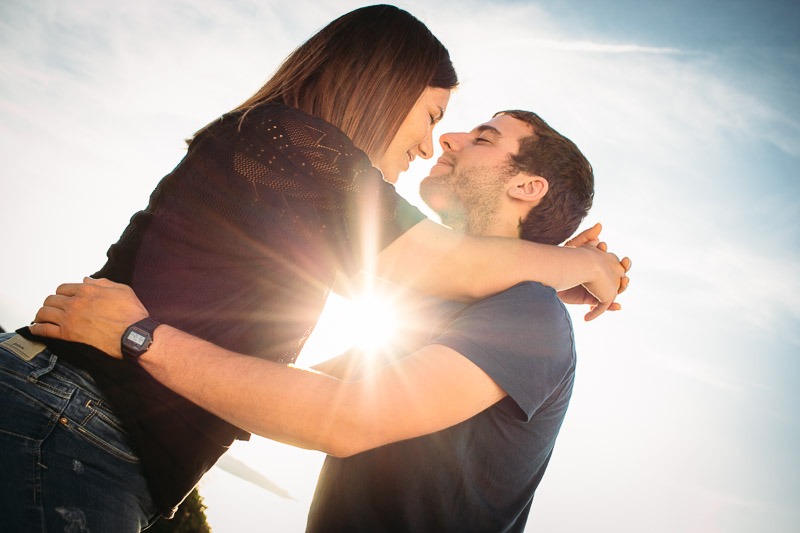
pixel 503 172
pixel 513 176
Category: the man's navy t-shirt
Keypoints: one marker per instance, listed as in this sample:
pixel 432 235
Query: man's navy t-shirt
pixel 481 474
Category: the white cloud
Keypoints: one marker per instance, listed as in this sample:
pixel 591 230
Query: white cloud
pixel 606 48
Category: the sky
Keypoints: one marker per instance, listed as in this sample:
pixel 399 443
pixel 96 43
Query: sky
pixel 684 415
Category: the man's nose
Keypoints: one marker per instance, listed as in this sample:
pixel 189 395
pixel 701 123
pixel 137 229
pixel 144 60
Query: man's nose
pixel 450 142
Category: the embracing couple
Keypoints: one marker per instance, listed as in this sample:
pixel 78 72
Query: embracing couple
pixel 127 389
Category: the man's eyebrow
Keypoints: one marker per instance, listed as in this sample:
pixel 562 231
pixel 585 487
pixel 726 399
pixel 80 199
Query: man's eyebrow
pixel 485 128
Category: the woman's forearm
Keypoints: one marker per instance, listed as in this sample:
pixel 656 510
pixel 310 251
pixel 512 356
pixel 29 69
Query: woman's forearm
pixel 436 260
pixel 492 264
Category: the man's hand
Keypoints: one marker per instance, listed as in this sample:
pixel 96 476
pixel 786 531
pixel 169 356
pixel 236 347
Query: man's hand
pixel 96 312
pixel 611 279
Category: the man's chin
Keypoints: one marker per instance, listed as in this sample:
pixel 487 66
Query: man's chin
pixel 454 217
pixel 449 209
pixel 433 191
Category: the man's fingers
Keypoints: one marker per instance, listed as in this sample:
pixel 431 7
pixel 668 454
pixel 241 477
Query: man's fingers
pixel 68 289
pixel 626 264
pixel 46 330
pixel 56 300
pixel 88 285
pixel 100 282
pixel 603 247
pixel 49 314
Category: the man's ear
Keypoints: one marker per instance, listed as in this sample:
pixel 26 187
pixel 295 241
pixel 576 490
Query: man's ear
pixel 528 188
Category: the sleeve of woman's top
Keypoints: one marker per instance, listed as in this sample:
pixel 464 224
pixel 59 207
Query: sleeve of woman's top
pixel 306 165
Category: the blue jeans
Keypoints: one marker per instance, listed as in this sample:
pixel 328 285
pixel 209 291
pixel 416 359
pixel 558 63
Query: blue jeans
pixel 66 464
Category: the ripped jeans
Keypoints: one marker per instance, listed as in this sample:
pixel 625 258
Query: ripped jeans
pixel 65 462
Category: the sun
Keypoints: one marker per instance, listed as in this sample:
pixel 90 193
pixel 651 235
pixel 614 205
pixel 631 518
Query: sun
pixel 375 322
pixel 367 322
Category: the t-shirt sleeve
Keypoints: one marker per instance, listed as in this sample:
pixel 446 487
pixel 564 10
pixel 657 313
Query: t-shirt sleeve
pixel 319 174
pixel 522 338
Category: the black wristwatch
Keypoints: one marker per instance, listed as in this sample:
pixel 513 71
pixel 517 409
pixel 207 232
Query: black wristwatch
pixel 137 339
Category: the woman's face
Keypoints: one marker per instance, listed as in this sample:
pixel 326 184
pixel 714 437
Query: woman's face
pixel 415 136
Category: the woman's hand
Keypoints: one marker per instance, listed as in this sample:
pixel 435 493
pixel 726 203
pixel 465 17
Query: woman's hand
pixel 611 279
pixel 96 312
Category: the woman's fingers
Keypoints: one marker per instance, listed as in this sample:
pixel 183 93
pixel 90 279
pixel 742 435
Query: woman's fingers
pixel 623 284
pixel 597 310
pixel 585 236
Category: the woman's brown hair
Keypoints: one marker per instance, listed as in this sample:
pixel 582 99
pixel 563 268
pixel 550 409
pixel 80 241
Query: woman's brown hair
pixel 363 73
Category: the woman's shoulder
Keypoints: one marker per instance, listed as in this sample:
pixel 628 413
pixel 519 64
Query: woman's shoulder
pixel 301 137
pixel 284 119
pixel 266 118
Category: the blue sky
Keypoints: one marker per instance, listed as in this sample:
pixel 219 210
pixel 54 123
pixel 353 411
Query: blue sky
pixel 684 416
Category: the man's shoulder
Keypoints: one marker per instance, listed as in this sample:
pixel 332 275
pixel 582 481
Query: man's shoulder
pixel 521 337
pixel 526 319
pixel 528 299
pixel 532 288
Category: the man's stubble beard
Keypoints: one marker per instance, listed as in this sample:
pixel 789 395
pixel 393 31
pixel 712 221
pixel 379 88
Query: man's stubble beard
pixel 467 200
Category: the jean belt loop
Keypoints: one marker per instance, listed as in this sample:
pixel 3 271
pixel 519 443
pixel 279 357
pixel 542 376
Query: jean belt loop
pixel 36 374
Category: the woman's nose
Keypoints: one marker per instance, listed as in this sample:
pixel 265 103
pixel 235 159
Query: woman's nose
pixel 425 148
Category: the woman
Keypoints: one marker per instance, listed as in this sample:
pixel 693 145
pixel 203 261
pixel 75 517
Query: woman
pixel 239 246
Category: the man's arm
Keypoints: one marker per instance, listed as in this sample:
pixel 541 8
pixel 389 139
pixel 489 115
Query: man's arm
pixel 424 392
pixel 344 366
pixel 427 391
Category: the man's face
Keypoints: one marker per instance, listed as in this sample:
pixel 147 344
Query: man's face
pixel 467 183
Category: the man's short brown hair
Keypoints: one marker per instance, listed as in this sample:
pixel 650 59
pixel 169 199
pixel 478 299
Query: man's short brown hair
pixel 569 176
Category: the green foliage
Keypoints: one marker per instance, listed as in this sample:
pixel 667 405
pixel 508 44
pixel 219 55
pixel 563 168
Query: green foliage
pixel 190 518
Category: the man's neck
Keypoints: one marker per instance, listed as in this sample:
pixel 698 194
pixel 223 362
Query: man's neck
pixel 497 227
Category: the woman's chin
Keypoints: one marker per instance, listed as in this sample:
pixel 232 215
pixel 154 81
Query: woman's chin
pixel 391 175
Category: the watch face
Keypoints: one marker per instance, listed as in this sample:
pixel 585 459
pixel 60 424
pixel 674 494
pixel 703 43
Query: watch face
pixel 136 338
pixel 136 341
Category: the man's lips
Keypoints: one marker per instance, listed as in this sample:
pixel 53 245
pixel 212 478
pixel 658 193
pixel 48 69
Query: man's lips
pixel 444 160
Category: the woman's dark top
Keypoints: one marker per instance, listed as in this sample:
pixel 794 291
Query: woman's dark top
pixel 239 246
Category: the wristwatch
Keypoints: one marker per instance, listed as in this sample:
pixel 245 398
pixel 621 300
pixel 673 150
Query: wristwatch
pixel 137 339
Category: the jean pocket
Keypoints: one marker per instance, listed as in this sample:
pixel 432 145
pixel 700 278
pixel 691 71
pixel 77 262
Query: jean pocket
pixel 29 405
pixel 91 418
pixel 15 367
pixel 28 411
